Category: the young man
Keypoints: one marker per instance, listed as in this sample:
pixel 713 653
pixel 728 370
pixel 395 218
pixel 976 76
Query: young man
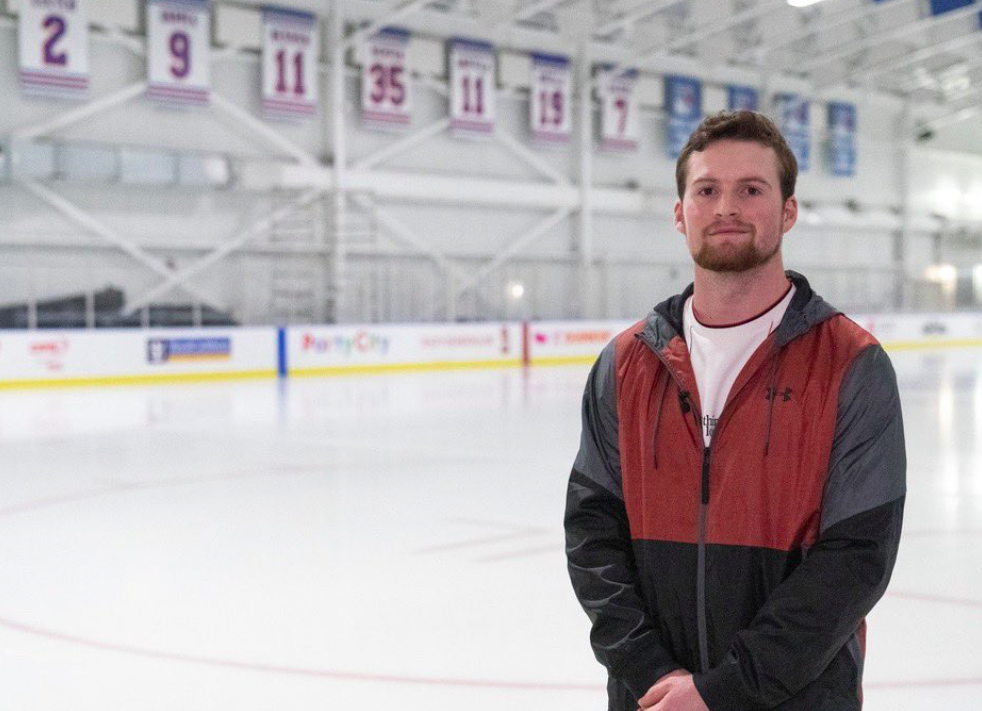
pixel 735 507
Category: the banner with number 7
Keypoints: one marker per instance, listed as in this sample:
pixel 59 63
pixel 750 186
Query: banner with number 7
pixel 53 43
pixel 619 119
pixel 291 47
pixel 179 51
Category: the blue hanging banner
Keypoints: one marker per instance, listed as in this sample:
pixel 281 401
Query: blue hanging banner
pixel 792 119
pixel 940 7
pixel 683 101
pixel 743 98
pixel 842 139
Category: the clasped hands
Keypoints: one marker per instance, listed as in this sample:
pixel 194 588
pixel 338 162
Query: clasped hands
pixel 673 692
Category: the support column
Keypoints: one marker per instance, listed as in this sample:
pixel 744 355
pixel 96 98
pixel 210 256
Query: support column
pixel 902 239
pixel 587 278
pixel 340 161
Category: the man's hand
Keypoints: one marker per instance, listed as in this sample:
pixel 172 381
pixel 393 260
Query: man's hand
pixel 673 692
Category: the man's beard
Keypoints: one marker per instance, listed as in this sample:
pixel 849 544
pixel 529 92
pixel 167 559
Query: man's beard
pixel 732 258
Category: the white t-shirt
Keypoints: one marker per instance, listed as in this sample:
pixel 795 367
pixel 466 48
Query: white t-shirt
pixel 720 352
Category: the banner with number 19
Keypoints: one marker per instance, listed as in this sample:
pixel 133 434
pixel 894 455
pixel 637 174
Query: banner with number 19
pixel 550 99
pixel 179 51
pixel 53 40
pixel 291 45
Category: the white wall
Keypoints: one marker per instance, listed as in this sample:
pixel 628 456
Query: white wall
pixel 640 257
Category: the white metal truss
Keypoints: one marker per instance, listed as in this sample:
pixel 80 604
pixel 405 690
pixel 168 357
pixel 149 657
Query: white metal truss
pixel 106 234
pixel 635 14
pixel 853 47
pixel 180 278
pixel 868 73
pixel 864 11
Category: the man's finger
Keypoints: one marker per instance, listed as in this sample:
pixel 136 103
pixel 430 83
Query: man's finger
pixel 654 695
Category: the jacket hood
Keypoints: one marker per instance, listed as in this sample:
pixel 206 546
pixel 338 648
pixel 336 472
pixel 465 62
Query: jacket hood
pixel 806 310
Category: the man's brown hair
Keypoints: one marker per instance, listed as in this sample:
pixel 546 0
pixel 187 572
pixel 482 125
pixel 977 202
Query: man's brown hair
pixel 740 126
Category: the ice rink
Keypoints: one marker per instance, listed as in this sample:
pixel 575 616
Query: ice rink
pixel 386 542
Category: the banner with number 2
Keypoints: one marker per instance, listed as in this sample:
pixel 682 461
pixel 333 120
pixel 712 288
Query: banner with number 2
pixel 53 38
pixel 473 88
pixel 291 45
pixel 179 50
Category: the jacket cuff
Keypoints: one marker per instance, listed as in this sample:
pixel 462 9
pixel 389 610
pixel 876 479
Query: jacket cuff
pixel 722 688
pixel 645 667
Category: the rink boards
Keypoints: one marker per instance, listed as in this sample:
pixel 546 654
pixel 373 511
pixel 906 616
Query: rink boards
pixel 45 358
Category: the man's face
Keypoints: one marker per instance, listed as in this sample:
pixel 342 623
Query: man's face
pixel 732 213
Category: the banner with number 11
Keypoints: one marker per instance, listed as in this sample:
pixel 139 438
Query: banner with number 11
pixel 473 88
pixel 291 45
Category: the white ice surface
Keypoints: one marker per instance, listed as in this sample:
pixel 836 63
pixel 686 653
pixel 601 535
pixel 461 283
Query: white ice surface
pixel 386 542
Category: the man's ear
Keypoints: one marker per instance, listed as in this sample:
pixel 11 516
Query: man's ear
pixel 679 217
pixel 790 213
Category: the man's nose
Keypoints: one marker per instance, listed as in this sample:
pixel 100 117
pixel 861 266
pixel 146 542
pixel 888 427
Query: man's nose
pixel 727 205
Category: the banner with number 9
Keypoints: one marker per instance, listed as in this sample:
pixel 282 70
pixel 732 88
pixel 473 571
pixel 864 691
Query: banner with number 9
pixel 473 88
pixel 386 97
pixel 291 46
pixel 179 51
pixel 550 99
pixel 53 43
pixel 619 119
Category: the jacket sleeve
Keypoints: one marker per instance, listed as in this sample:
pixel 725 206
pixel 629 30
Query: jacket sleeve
pixel 811 615
pixel 598 545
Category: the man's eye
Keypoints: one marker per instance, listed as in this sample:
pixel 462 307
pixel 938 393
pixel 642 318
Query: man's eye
pixel 705 191
pixel 754 191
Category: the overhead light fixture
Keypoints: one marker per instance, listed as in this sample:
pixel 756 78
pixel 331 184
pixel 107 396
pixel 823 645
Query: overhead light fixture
pixel 803 3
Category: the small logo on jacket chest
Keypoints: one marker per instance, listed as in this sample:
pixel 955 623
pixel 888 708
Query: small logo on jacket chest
pixel 772 393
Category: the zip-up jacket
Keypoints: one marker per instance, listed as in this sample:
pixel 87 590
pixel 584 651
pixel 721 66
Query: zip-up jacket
pixel 753 562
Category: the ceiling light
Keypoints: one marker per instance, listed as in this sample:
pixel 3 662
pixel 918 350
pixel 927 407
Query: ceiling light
pixel 802 3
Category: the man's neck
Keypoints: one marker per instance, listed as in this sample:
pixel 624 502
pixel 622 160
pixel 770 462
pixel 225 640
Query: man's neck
pixel 725 297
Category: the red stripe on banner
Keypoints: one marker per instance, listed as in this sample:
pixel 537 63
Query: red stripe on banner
pixel 613 143
pixel 473 126
pixel 60 74
pixel 194 96
pixel 551 137
pixel 285 115
pixel 55 81
pixel 286 105
pixel 374 115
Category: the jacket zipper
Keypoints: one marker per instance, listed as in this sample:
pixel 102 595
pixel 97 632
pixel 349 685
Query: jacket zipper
pixel 701 624
pixel 701 570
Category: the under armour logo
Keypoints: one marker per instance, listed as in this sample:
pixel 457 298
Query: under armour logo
pixel 773 392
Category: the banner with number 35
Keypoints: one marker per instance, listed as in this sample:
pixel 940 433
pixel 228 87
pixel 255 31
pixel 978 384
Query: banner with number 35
pixel 53 40
pixel 386 91
pixel 179 50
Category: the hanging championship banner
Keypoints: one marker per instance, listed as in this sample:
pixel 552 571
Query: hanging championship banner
pixel 619 116
pixel 473 87
pixel 550 99
pixel 842 139
pixel 53 38
pixel 386 101
pixel 291 44
pixel 792 119
pixel 743 98
pixel 179 51
pixel 683 102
